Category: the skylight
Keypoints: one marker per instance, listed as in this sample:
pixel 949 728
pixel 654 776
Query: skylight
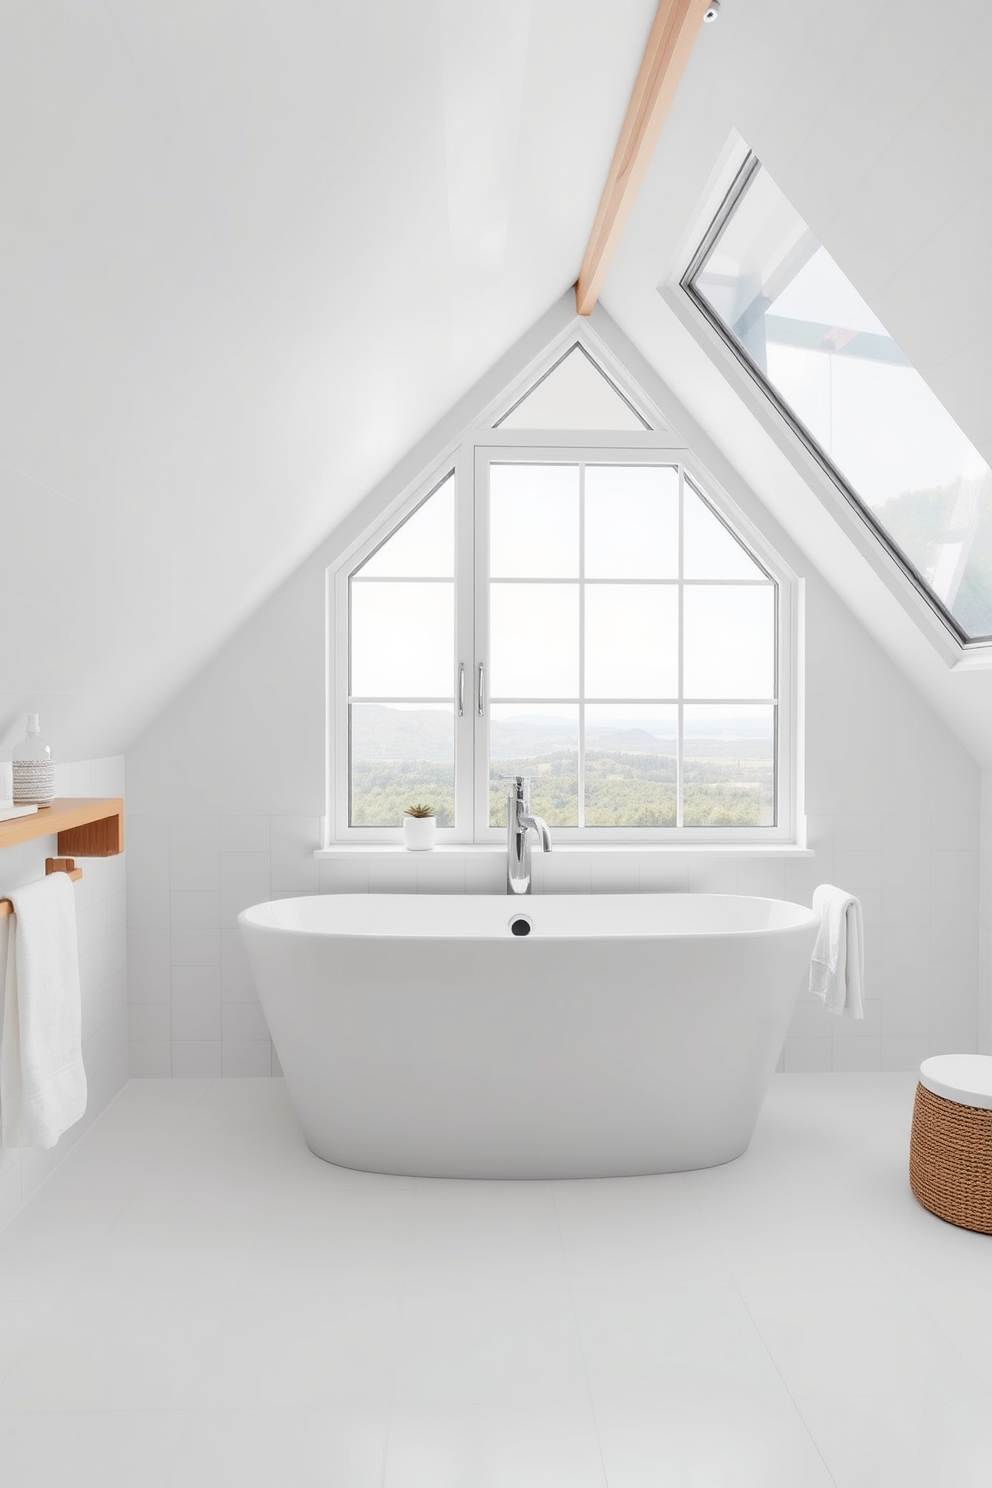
pixel 847 389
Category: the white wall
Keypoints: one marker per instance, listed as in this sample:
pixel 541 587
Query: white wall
pixel 985 921
pixel 893 801
pixel 225 812
pixel 100 926
pixel 227 787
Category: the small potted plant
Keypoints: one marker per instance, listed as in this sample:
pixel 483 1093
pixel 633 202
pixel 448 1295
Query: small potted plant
pixel 418 828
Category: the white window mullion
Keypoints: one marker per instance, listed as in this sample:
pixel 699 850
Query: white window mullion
pixel 479 562
pixel 338 765
pixel 680 732
pixel 580 804
pixel 464 646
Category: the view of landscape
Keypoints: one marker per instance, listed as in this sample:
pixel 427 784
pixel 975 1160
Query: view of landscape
pixel 406 755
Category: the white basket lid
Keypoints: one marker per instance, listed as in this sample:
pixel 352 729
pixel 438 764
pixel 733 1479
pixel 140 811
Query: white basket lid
pixel 965 1078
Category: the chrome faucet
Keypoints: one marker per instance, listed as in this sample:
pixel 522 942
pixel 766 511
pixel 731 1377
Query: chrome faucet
pixel 518 823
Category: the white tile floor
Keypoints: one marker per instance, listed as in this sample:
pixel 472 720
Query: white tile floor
pixel 193 1299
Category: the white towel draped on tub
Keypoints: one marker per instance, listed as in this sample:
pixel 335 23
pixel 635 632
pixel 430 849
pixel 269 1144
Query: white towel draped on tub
pixel 42 1081
pixel 837 968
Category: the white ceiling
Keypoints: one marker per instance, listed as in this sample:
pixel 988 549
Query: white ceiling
pixel 252 252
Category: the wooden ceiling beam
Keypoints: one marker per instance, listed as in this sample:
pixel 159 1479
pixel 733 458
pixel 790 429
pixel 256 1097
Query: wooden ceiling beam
pixel 673 34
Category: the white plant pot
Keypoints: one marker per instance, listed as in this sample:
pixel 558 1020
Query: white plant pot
pixel 418 833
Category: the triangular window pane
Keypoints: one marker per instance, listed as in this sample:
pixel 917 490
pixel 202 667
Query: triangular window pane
pixel 575 394
pixel 424 547
pixel 710 549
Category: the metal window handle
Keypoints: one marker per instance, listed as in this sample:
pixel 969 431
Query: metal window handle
pixel 461 689
pixel 482 688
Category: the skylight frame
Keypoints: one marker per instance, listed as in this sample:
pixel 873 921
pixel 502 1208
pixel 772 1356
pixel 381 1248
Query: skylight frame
pixel 745 174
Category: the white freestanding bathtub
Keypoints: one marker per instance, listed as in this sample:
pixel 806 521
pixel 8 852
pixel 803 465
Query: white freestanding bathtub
pixel 620 1034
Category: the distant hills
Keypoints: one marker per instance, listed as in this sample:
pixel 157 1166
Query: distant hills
pixel 385 733
pixel 381 732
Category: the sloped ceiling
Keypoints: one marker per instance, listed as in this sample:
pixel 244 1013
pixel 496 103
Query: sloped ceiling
pixel 252 252
pixel 875 120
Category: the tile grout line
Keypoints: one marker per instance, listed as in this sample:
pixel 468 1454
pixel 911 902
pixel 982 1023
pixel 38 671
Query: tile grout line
pixel 578 1330
pixel 707 1225
pixel 404 1291
pixel 68 1287
pixel 173 1132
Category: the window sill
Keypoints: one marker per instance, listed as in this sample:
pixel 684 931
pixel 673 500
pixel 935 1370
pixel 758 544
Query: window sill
pixel 469 850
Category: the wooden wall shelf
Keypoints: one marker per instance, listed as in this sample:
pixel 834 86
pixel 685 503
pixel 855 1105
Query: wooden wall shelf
pixel 86 827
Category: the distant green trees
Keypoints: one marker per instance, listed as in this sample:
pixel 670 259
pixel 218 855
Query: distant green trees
pixel 623 789
pixel 383 789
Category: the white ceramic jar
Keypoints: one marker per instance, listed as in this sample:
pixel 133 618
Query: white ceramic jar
pixel 32 768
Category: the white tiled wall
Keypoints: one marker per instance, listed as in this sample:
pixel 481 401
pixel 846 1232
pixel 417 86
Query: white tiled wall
pixel 920 907
pixel 101 932
pixel 194 1010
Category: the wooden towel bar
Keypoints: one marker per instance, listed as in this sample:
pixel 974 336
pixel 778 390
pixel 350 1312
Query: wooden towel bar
pixel 52 865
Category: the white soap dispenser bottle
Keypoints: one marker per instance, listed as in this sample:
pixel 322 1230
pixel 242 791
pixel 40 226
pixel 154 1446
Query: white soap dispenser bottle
pixel 33 768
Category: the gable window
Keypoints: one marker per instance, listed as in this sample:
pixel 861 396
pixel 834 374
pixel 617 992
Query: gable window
pixel 848 391
pixel 401 706
pixel 578 608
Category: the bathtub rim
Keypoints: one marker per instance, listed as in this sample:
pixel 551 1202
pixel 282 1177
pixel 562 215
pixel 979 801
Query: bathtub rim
pixel 251 918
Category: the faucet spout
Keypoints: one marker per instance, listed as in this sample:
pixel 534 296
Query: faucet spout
pixel 519 823
pixel 540 826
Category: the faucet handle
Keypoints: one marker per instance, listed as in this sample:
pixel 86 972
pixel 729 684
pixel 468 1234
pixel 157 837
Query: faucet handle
pixel 520 781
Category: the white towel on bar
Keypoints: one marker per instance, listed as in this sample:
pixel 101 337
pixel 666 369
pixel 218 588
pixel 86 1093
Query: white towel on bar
pixel 837 968
pixel 42 1080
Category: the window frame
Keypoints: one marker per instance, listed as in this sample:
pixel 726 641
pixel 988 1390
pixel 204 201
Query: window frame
pixel 465 458
pixel 883 543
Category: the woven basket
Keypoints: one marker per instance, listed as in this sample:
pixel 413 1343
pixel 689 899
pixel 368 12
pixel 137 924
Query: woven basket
pixel 950 1160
